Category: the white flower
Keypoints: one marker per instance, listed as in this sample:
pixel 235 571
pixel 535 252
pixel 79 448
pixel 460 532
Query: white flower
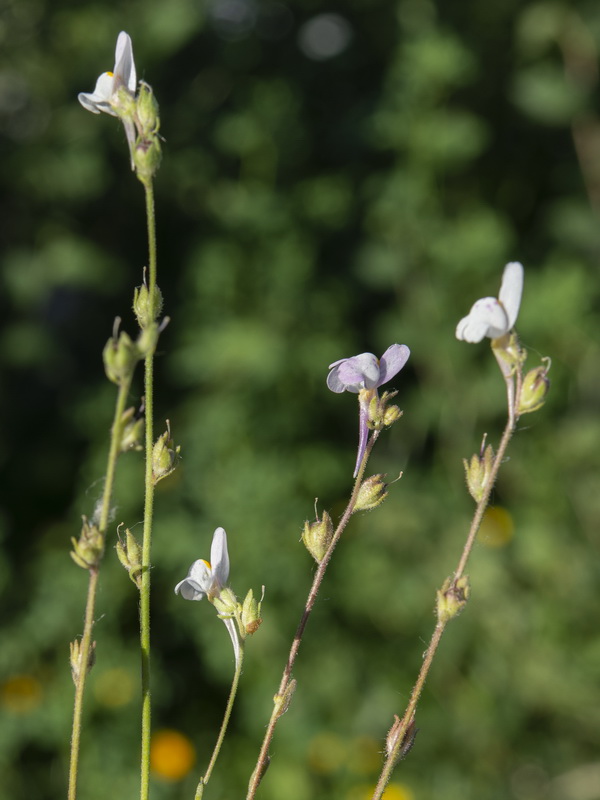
pixel 494 317
pixel 109 83
pixel 207 578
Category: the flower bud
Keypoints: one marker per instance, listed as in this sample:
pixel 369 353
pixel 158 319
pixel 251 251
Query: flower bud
pixel 147 112
pixel 164 456
pixel 534 390
pixel 400 746
pixel 146 158
pixel 147 312
pixel 391 415
pixel 123 104
pixel 379 415
pixel 146 341
pixel 88 549
pixel 120 357
pixel 75 658
pixel 282 701
pixel 129 553
pixel 509 354
pixel 478 471
pixel 132 431
pixel 452 598
pixel 371 494
pixel 317 536
pixel 251 619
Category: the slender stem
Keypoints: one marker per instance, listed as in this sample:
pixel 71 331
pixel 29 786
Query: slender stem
pixel 86 640
pixel 217 749
pixel 263 757
pixel 148 513
pixel 401 729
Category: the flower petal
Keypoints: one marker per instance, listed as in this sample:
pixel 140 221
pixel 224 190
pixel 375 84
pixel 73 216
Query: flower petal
pixel 99 99
pixel 391 362
pixel 487 317
pixel 125 73
pixel 333 379
pixel 511 291
pixel 189 590
pixel 354 374
pixel 363 435
pixel 219 558
pixel 235 639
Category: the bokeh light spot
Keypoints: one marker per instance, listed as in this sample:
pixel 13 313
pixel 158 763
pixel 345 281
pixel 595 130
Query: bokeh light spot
pixel 20 694
pixel 172 755
pixel 324 36
pixel 114 688
pixel 394 791
pixel 497 527
pixel 326 753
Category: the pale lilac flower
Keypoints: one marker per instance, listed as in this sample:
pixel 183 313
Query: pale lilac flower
pixel 494 317
pixel 109 83
pixel 207 578
pixel 366 372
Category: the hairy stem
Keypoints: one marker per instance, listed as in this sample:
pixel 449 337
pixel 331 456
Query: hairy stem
pixel 86 641
pixel 263 758
pixel 217 749
pixel 401 730
pixel 148 513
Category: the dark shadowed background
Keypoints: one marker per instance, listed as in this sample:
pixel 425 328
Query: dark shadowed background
pixel 336 177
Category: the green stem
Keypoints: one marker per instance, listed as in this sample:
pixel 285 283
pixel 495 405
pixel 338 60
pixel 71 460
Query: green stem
pixel 402 728
pixel 263 757
pixel 148 512
pixel 86 640
pixel 217 749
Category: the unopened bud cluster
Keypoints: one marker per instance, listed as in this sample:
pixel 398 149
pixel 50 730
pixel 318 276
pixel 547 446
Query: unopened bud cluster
pixel 246 614
pixel 381 414
pixel 141 118
pixel 88 549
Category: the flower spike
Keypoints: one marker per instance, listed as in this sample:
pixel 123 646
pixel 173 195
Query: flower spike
pixel 493 317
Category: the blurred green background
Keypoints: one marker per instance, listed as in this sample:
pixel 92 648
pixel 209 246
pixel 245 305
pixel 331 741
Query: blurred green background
pixel 336 177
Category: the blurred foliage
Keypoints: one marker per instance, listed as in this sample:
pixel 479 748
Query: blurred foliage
pixel 335 179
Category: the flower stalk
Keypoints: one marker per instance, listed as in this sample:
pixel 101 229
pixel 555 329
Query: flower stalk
pixel 81 659
pixel 287 684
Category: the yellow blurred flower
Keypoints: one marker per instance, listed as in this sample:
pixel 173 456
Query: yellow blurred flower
pixel 326 753
pixel 497 527
pixel 114 687
pixel 172 755
pixel 394 791
pixel 21 693
pixel 364 756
